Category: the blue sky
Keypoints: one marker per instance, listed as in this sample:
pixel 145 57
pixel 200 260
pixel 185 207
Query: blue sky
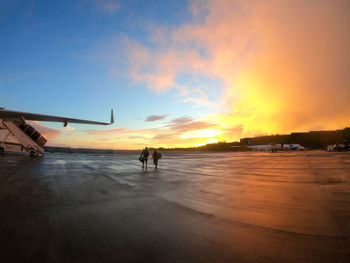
pixel 50 58
pixel 205 66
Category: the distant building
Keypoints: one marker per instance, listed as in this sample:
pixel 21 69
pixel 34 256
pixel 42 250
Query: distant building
pixel 311 139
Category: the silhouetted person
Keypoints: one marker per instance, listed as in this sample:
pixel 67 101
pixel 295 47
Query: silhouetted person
pixel 144 157
pixel 156 157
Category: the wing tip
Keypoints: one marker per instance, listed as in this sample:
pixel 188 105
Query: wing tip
pixel 112 117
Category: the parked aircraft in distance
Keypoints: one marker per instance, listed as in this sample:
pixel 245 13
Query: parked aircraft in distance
pixel 28 139
pixel 275 147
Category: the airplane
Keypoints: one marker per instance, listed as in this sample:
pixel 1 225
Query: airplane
pixel 25 138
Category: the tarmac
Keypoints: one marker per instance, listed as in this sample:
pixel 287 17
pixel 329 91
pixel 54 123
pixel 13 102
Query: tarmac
pixel 196 207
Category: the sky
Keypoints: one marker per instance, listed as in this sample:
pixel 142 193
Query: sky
pixel 177 73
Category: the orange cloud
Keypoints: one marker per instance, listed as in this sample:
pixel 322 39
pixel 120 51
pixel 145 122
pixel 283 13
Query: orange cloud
pixel 179 132
pixel 185 124
pixel 45 131
pixel 108 132
pixel 278 66
pixel 285 65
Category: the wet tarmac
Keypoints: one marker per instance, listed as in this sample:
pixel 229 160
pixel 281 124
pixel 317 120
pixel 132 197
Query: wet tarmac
pixel 196 207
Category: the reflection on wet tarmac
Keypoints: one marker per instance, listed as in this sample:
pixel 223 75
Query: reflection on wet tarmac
pixel 197 207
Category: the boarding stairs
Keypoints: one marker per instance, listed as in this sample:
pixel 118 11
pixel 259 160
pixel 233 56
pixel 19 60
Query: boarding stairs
pixel 30 139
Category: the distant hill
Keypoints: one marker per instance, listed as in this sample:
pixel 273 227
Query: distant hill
pixel 311 139
pixel 220 146
pixel 85 150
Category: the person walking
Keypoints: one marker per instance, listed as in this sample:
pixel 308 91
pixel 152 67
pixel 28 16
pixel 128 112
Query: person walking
pixel 156 156
pixel 144 157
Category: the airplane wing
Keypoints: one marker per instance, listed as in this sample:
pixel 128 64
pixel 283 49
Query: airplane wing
pixel 8 114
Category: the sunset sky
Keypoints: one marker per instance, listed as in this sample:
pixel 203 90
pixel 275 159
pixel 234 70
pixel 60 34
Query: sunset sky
pixel 177 73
